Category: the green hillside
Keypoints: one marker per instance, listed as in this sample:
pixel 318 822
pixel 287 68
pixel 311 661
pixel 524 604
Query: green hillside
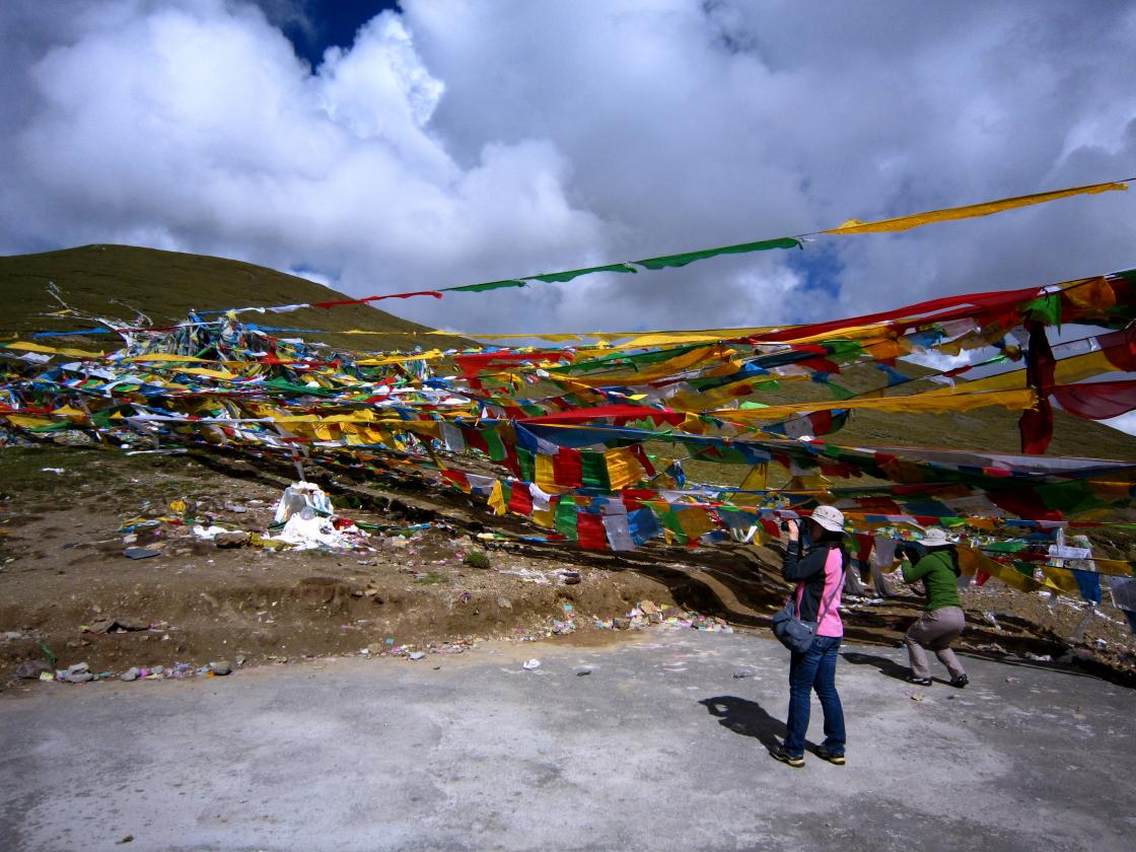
pixel 113 280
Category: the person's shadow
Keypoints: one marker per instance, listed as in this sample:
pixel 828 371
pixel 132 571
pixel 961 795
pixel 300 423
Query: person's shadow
pixel 888 667
pixel 749 719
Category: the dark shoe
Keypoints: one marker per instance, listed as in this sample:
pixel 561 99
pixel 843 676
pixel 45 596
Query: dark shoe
pixel 796 761
pixel 959 681
pixel 831 756
pixel 919 681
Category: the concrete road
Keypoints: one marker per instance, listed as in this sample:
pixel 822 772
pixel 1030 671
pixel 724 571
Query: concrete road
pixel 661 746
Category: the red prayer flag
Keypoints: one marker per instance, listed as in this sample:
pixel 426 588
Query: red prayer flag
pixel 590 531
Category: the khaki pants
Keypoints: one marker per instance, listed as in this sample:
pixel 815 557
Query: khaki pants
pixel 935 630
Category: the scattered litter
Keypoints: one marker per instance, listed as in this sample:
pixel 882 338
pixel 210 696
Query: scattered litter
pixel 306 531
pixel 583 671
pixel 55 470
pixel 647 612
pixel 78 673
pixel 208 533
pixel 113 625
pixel 1039 658
pixel 417 655
pixel 916 696
pixel 992 648
pixel 140 552
pixel 33 670
pixel 529 575
pixel 530 665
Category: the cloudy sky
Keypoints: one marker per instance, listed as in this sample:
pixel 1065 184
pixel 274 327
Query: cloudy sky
pixel 445 142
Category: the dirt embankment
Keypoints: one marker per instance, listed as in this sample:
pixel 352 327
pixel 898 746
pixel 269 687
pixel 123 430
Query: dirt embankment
pixel 69 592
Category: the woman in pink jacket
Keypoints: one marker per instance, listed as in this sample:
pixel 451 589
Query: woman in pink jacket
pixel 816 562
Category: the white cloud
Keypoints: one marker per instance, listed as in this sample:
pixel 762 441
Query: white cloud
pixel 463 142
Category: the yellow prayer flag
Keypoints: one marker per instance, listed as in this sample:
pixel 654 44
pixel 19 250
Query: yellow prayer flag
pixel 930 402
pixel 49 350
pixel 971 560
pixel 497 499
pixel 694 521
pixel 1062 579
pixel 545 475
pixel 969 211
pixel 757 478
pixel 623 469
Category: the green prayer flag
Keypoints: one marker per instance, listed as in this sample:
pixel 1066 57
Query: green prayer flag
pixel 594 471
pixel 677 260
pixel 496 448
pixel 565 518
pixel 670 521
pixel 1071 498
pixel 488 285
pixel 562 277
pixel 1024 568
pixel 839 391
pixel 526 463
pixel 842 350
pixel 1046 308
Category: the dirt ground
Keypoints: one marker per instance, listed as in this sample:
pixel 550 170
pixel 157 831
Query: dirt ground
pixel 70 594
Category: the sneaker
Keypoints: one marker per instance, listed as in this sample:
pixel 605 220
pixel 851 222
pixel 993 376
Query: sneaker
pixel 959 681
pixel 919 681
pixel 796 761
pixel 831 756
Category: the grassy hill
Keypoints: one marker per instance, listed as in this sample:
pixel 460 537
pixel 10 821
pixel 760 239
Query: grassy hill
pixel 112 280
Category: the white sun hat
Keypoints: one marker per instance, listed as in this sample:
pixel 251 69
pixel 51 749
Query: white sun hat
pixel 829 517
pixel 935 537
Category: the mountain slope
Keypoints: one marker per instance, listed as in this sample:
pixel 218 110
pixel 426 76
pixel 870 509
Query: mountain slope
pixel 113 280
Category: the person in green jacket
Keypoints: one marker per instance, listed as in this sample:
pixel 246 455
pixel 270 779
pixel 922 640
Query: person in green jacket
pixel 942 620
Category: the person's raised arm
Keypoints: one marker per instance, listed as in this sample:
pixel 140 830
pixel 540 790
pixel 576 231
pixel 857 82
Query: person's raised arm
pixel 794 567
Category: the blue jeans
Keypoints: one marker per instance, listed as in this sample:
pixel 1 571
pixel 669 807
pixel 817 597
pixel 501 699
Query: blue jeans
pixel 815 669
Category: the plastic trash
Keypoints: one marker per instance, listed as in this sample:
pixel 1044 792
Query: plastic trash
pixel 530 665
pixel 140 553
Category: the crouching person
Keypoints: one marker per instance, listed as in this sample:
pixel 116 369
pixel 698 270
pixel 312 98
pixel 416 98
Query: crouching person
pixel 935 562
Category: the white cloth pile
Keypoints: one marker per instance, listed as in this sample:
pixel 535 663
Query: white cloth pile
pixel 307 515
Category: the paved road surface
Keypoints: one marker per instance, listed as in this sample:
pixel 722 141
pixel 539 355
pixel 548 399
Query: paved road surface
pixel 659 747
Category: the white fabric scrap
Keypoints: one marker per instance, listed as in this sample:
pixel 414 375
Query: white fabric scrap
pixel 208 533
pixel 299 495
pixel 305 531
